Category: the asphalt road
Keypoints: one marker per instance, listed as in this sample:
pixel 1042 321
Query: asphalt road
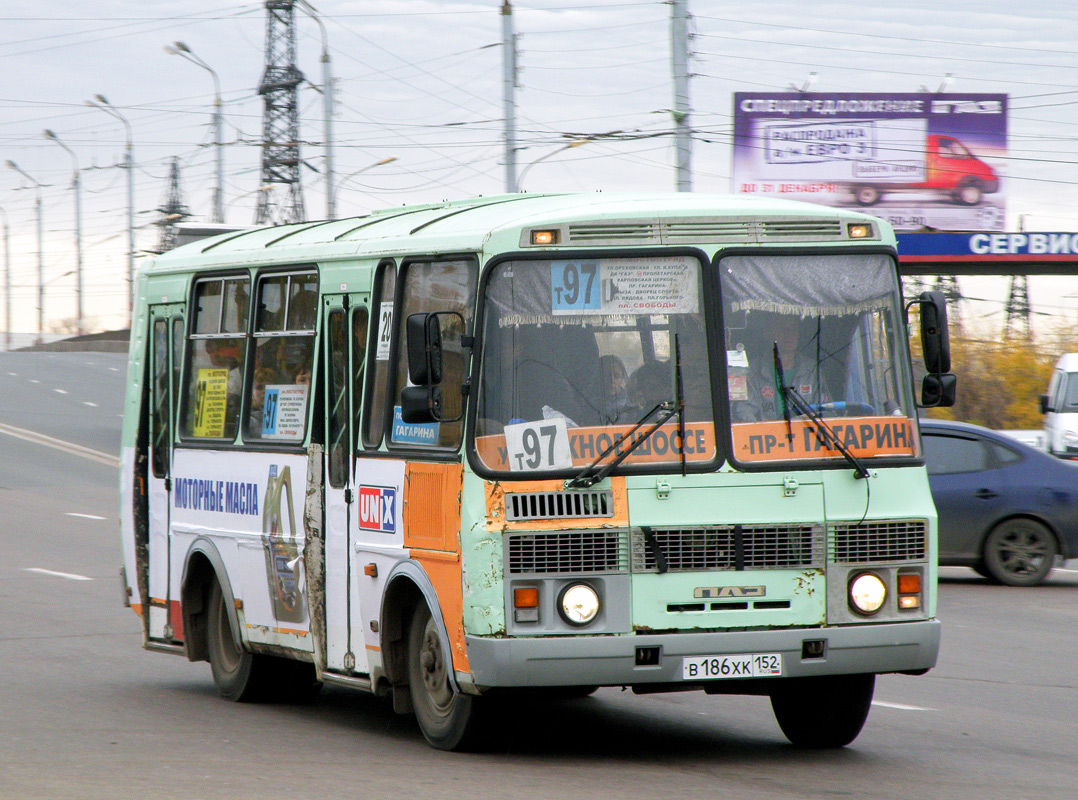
pixel 85 713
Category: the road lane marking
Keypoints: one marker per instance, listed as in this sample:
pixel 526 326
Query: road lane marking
pixel 34 381
pixel 88 403
pixel 84 516
pixel 60 391
pixel 60 444
pixel 899 706
pixel 69 575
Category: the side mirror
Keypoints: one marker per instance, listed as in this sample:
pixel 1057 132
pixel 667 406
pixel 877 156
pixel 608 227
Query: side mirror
pixel 938 391
pixel 935 340
pixel 1043 403
pixel 424 344
pixel 421 404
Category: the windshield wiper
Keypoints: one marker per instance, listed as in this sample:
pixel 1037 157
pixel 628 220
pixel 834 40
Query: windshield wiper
pixel 790 396
pixel 584 480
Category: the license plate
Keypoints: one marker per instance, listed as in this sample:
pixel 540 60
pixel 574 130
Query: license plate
pixel 746 665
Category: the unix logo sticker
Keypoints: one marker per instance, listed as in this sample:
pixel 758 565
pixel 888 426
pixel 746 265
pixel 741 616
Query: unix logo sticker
pixel 378 508
pixel 706 592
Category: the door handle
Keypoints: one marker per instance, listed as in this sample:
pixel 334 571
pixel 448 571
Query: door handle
pixel 985 494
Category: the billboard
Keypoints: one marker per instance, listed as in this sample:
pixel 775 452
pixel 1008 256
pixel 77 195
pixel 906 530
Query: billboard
pixel 916 160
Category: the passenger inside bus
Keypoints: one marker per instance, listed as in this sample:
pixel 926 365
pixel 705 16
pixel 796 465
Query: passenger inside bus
pixel 649 386
pixel 555 373
pixel 263 376
pixel 615 386
pixel 807 365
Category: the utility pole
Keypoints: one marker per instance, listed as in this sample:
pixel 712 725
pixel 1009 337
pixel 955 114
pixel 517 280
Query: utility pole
pixel 99 101
pixel 78 231
pixel 679 47
pixel 7 284
pixel 173 210
pixel 509 83
pixel 181 49
pixel 327 110
pixel 40 252
pixel 280 118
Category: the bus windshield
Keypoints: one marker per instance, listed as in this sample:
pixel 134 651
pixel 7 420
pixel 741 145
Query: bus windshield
pixel 815 335
pixel 576 352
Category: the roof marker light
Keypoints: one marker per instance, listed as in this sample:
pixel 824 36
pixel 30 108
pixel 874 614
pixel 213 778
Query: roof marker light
pixel 545 237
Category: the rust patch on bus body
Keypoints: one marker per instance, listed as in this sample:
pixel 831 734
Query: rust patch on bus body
pixel 496 521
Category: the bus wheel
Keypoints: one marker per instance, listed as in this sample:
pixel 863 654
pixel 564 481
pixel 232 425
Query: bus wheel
pixel 823 712
pixel 236 672
pixel 448 719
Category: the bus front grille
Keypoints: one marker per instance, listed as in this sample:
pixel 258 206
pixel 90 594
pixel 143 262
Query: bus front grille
pixel 874 541
pixel 564 552
pixel 524 506
pixel 729 547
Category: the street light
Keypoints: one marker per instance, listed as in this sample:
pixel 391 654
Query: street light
pixel 78 231
pixel 570 146
pixel 269 187
pixel 327 113
pixel 7 285
pixel 351 175
pixel 180 49
pixel 99 101
pixel 40 256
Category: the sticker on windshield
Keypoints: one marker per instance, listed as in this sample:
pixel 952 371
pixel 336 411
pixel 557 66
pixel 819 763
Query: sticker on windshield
pixel 659 285
pixel 538 445
pixel 385 331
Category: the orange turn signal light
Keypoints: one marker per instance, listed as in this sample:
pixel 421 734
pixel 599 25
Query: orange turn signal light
pixel 909 584
pixel 527 597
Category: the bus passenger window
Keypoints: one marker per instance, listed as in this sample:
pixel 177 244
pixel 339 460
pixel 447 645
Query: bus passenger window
pixel 216 358
pixel 375 410
pixel 280 392
pixel 359 354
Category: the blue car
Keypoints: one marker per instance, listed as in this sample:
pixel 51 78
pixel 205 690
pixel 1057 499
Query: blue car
pixel 1005 509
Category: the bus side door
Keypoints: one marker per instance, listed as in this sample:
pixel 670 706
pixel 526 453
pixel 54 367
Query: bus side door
pixel 165 346
pixel 345 327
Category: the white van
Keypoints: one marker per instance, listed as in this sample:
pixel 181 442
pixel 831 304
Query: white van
pixel 1060 408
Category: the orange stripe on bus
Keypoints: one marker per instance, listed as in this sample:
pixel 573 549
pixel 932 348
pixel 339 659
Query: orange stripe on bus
pixel 862 436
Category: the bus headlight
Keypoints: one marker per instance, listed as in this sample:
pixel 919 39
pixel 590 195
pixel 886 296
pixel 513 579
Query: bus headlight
pixel 867 593
pixel 578 604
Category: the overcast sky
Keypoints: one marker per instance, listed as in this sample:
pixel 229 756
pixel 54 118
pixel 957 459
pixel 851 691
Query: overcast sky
pixel 420 81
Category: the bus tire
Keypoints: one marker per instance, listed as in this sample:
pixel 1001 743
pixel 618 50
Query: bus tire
pixel 447 718
pixel 824 712
pixel 237 673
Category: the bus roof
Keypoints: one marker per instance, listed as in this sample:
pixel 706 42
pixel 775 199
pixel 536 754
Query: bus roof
pixel 468 226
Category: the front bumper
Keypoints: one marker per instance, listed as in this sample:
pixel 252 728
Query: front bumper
pixel 612 660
